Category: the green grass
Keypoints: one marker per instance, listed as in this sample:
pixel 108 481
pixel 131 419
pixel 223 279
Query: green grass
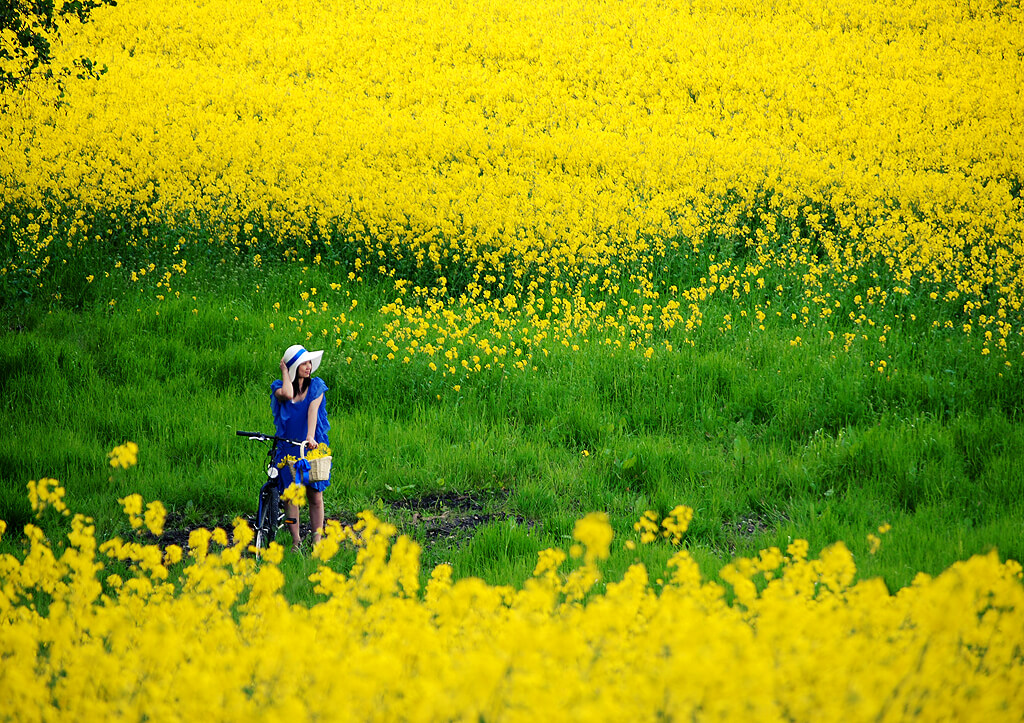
pixel 767 441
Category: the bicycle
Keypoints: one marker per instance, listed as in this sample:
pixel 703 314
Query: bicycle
pixel 269 516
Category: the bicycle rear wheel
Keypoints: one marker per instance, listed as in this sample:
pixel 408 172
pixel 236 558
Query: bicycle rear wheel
pixel 267 517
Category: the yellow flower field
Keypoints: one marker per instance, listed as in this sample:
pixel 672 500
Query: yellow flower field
pixel 523 178
pixel 208 634
pixel 537 173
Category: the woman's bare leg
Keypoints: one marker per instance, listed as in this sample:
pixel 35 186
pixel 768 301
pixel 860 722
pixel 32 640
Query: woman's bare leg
pixel 316 512
pixel 292 512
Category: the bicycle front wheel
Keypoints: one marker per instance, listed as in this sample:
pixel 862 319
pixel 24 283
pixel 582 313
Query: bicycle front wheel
pixel 267 517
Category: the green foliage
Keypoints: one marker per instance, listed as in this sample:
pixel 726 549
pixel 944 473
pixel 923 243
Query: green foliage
pixel 33 28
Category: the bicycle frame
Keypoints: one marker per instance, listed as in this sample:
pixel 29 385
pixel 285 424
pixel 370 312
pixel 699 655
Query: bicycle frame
pixel 274 480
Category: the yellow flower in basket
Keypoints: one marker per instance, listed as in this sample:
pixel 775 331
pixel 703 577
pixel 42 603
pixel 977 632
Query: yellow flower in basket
pixel 321 451
pixel 319 463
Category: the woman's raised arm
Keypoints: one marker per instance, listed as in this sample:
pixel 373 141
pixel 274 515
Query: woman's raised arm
pixel 311 419
pixel 285 393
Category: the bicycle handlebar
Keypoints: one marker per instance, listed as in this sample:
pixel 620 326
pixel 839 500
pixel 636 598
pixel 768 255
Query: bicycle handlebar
pixel 260 437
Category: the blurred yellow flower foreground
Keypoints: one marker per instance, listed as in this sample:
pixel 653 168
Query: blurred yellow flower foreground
pixel 214 638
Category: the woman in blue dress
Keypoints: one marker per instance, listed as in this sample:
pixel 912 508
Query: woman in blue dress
pixel 300 412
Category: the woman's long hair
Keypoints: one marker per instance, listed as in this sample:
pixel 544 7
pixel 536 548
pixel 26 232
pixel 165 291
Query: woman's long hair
pixel 300 385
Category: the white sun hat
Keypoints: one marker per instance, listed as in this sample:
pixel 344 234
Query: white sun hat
pixel 296 354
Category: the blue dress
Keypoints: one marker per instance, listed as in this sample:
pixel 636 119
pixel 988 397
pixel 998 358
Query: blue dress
pixel 290 422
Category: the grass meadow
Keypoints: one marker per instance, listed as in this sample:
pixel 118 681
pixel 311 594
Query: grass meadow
pixel 767 442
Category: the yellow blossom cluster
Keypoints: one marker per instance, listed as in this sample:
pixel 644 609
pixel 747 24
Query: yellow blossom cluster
pixel 206 632
pixel 125 455
pixel 295 494
pixel 586 173
pixel 152 517
pixel 874 541
pixel 672 528
pixel 46 493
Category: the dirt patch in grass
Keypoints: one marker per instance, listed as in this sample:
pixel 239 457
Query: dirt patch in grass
pixel 450 518
pixel 443 519
pixel 748 526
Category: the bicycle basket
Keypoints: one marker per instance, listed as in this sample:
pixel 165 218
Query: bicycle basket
pixel 320 469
